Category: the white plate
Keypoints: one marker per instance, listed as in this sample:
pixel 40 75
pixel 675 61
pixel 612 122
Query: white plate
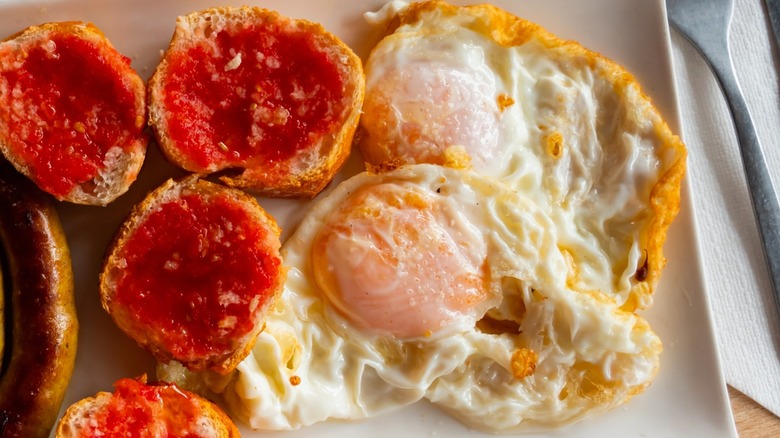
pixel 688 398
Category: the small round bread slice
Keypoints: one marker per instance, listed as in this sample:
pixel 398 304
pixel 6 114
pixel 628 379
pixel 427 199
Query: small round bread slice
pixel 270 100
pixel 191 273
pixel 159 410
pixel 72 112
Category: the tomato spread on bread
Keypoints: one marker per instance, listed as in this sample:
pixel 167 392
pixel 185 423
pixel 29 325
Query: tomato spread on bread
pixel 191 273
pixel 270 101
pixel 71 108
pixel 140 409
pixel 136 406
pixel 261 91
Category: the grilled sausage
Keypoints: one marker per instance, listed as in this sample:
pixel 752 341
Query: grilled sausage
pixel 40 318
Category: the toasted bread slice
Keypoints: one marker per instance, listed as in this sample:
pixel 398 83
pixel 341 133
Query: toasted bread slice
pixel 191 273
pixel 270 100
pixel 72 112
pixel 149 410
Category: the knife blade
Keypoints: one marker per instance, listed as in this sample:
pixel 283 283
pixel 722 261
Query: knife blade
pixel 773 9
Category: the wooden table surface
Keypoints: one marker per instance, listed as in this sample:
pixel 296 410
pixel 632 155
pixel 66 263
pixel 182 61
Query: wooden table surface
pixel 753 421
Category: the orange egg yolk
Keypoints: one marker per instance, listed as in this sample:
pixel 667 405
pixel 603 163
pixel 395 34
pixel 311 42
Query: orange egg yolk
pixel 389 263
pixel 420 110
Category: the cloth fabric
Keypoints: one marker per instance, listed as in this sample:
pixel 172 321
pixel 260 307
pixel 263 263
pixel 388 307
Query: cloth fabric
pixel 747 323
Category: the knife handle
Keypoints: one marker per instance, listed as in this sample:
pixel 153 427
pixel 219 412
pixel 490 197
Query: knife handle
pixel 762 192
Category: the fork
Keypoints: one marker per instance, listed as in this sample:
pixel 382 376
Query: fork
pixel 705 23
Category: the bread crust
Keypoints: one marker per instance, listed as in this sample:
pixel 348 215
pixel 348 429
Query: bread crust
pixel 122 162
pixel 212 420
pixel 147 337
pixel 309 169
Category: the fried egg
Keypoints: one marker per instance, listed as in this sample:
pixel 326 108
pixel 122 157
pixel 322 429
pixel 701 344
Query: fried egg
pixel 438 283
pixel 478 87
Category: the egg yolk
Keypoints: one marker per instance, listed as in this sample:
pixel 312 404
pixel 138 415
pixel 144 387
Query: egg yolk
pixel 419 110
pixel 393 261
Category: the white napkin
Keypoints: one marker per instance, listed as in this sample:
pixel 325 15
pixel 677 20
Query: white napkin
pixel 747 325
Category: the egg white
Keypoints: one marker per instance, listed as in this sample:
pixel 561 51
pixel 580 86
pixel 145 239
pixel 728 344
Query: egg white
pixel 591 358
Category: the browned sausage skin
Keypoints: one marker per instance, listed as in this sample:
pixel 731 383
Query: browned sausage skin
pixel 40 318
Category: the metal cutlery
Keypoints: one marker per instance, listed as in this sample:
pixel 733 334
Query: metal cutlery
pixel 773 9
pixel 705 23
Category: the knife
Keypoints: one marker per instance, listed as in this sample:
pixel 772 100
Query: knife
pixel 773 8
